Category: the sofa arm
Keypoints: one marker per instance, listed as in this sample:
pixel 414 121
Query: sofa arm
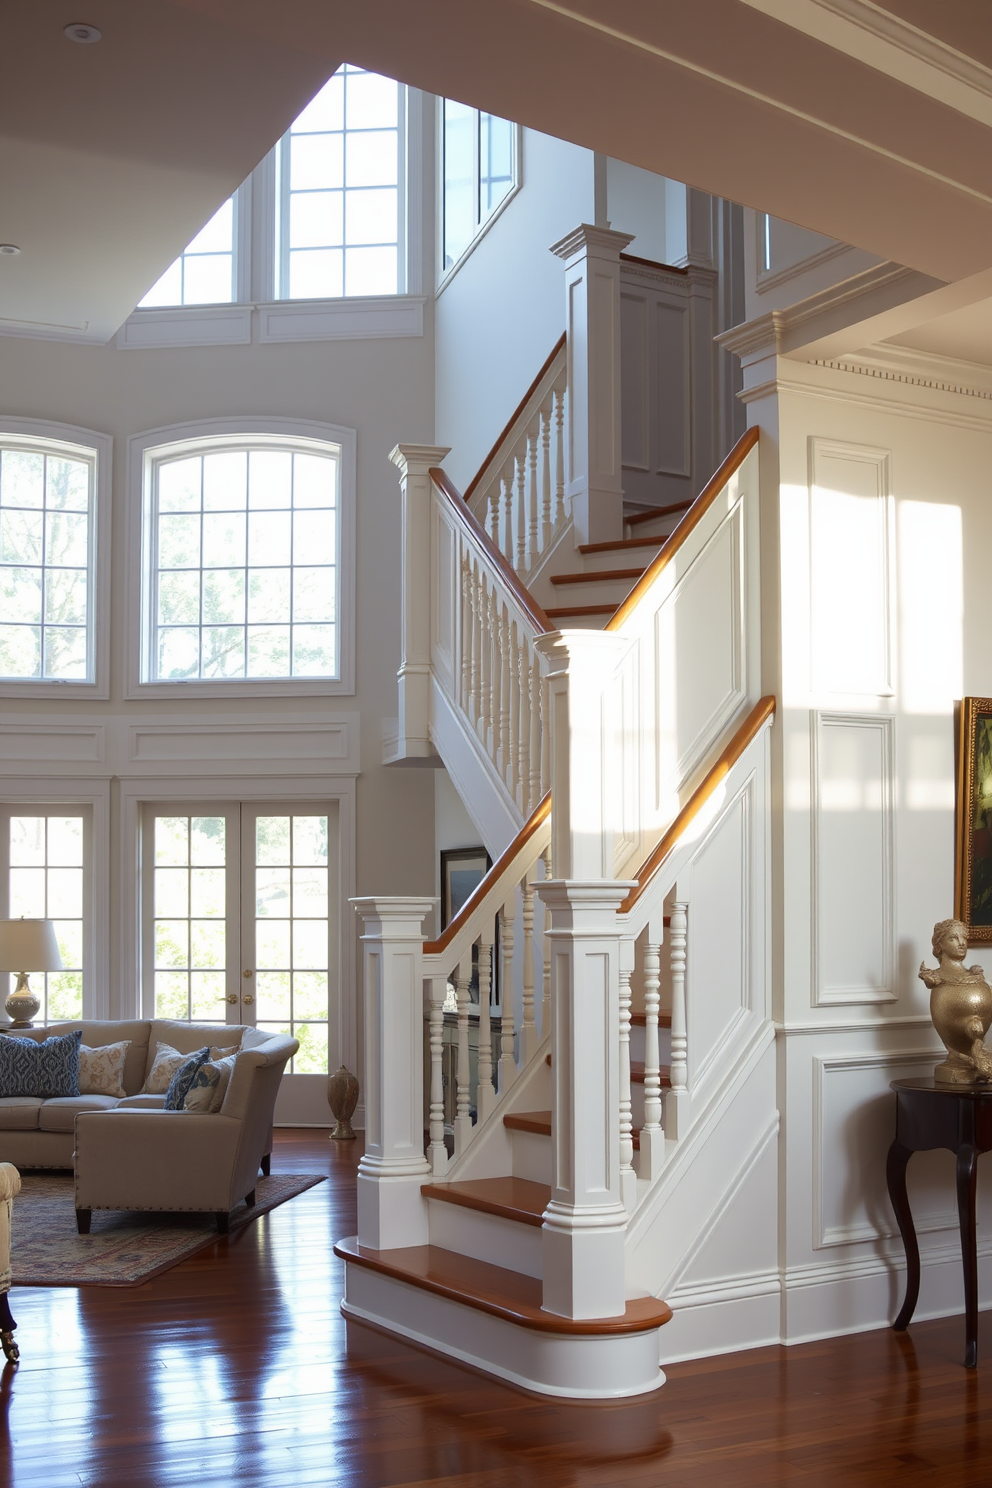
pixel 10 1181
pixel 128 1159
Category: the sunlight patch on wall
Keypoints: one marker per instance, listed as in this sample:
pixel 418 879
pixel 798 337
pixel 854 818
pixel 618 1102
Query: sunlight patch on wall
pixel 931 606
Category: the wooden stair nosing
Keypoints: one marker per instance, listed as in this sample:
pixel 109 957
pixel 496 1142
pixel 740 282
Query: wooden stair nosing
pixel 606 575
pixel 494 1290
pixel 509 1198
pixel 617 544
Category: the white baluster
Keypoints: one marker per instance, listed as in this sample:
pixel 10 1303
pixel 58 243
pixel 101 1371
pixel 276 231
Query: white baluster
pixel 486 1097
pixel 507 1065
pixel 463 1116
pixel 485 660
pixel 520 512
pixel 559 456
pixel 542 694
pixel 546 957
pixel 534 793
pixel 628 1178
pixel 473 695
pixel 437 1153
pixel 547 510
pixel 677 1102
pixel 528 1028
pixel 492 511
pixel 505 690
pixel 466 635
pixel 496 682
pixel 523 716
pixel 533 497
pixel 506 501
pixel 652 1137
pixel 513 777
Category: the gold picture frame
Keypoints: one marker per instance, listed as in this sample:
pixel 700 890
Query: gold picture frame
pixel 973 821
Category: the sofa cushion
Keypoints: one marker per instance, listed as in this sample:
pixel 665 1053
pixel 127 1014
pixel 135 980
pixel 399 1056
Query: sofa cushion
pixel 141 1103
pixel 49 1068
pixel 101 1070
pixel 59 1114
pixel 19 1112
pixel 165 1061
pixel 182 1080
pixel 187 1037
pixel 99 1032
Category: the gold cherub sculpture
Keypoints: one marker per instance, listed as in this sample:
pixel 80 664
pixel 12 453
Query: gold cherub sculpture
pixel 960 1007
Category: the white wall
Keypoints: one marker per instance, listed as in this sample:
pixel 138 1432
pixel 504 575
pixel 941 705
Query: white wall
pixel 381 388
pixel 802 263
pixel 499 314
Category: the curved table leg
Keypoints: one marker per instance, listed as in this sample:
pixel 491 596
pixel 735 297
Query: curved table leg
pixel 967 1174
pixel 895 1177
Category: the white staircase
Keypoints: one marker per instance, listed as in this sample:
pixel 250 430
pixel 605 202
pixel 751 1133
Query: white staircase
pixel 603 720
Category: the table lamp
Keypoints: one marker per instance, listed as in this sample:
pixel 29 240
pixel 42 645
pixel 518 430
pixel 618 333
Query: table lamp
pixel 28 943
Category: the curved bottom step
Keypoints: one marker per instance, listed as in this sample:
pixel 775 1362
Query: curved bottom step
pixel 492 1319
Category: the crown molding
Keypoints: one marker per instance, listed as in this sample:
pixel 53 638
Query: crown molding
pixel 925 369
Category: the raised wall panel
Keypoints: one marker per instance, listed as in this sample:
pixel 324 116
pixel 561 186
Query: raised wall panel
pixel 329 746
pixel 45 743
pixel 853 1125
pixel 671 391
pixel 853 853
pixel 700 651
pixel 634 382
pixel 850 568
pixel 718 922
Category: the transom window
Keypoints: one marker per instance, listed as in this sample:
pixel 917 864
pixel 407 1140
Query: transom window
pixel 42 877
pixel 244 544
pixel 47 496
pixel 204 273
pixel 478 170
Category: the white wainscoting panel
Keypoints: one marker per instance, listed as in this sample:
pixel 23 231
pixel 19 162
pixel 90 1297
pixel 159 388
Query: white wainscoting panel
pixel 853 1126
pixel 853 858
pixel 330 745
pixel 850 542
pixel 671 392
pixel 46 744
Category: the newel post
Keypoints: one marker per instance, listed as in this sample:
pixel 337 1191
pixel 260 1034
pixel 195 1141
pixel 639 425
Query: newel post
pixel 592 323
pixel 414 461
pixel 391 1210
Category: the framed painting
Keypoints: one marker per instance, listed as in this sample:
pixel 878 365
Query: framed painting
pixel 462 870
pixel 973 847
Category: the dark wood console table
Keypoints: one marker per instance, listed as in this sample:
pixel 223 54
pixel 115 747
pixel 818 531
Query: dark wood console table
pixel 958 1117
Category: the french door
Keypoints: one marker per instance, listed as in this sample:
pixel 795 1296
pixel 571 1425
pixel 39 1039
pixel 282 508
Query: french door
pixel 239 925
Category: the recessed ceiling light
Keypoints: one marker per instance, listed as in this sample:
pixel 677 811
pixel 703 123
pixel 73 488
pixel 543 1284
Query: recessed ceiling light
pixel 9 248
pixel 80 31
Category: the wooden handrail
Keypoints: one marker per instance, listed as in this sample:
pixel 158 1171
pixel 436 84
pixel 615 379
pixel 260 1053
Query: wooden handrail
pixel 692 518
pixel 748 730
pixel 541 812
pixel 488 550
pixel 517 412
pixel 653 263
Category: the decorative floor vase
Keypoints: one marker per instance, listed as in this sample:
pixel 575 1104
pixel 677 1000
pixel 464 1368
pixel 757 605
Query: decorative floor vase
pixel 342 1097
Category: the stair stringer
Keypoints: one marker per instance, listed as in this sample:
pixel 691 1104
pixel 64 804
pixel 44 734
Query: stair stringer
pixel 473 774
pixel 709 1173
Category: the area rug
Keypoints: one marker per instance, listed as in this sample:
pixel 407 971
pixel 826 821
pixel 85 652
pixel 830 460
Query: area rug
pixel 123 1249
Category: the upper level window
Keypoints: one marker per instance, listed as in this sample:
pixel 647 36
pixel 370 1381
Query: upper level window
pixel 205 273
pixel 478 171
pixel 47 560
pixel 340 182
pixel 246 559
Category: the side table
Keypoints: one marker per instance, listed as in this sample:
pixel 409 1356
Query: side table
pixel 958 1117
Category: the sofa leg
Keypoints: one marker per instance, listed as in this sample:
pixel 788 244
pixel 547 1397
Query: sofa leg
pixel 250 1199
pixel 266 1165
pixel 83 1217
pixel 223 1223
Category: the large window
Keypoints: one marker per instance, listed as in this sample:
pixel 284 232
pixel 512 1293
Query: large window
pixel 337 180
pixel 478 172
pixel 43 853
pixel 47 561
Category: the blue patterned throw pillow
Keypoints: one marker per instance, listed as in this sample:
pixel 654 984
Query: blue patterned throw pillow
pixel 181 1081
pixel 44 1070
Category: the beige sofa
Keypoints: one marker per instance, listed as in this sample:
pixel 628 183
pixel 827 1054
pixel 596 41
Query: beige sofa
pixel 129 1153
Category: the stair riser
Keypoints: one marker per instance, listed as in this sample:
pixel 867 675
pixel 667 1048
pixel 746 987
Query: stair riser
pixel 595 591
pixel 579 622
pixel 616 558
pixel 661 527
pixel 486 1237
pixel 531 1156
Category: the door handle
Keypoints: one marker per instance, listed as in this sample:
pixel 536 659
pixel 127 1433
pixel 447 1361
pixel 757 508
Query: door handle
pixel 247 998
pixel 233 997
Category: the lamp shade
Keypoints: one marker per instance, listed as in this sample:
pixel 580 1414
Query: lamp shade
pixel 29 945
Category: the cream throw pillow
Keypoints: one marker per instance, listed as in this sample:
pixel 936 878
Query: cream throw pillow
pixel 226 1067
pixel 167 1060
pixel 101 1070
pixel 206 1094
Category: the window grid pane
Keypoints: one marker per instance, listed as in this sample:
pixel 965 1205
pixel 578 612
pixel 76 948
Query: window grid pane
pixel 341 190
pixel 203 274
pixel 189 925
pixel 246 566
pixel 478 171
pixel 46 883
pixel 46 600
pixel 292 933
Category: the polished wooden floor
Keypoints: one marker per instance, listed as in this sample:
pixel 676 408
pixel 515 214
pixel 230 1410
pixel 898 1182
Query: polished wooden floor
pixel 235 1368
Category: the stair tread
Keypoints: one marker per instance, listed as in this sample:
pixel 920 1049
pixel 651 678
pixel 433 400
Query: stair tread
pixel 493 1289
pixel 600 609
pixel 616 545
pixel 604 576
pixel 637 1074
pixel 639 1020
pixel 509 1198
pixel 653 512
pixel 529 1121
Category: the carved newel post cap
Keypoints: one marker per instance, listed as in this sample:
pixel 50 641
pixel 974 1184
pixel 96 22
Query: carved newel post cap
pixel 342 1097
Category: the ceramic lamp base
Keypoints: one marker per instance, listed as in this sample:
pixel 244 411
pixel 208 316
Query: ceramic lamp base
pixel 21 1004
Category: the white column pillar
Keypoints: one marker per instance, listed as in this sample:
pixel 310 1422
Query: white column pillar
pixel 413 462
pixel 585 1220
pixel 592 323
pixel 580 666
pixel 391 1210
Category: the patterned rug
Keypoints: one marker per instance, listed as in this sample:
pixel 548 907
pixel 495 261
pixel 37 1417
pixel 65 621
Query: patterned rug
pixel 123 1249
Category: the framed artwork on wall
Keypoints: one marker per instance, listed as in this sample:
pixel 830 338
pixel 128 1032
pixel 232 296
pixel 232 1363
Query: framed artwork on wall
pixel 462 870
pixel 973 827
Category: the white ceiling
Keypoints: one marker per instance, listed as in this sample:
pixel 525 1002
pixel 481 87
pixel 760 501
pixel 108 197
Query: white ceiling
pixel 112 156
